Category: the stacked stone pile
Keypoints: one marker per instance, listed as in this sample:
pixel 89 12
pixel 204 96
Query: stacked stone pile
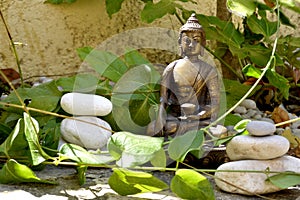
pixel 261 150
pixel 248 110
pixel 86 130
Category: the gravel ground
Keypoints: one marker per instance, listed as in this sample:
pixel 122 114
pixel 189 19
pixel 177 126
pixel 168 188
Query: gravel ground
pixel 96 187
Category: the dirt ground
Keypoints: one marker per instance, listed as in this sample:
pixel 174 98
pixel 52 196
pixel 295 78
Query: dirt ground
pixel 96 187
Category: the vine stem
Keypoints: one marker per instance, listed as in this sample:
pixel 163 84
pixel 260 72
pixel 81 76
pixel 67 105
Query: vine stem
pixel 170 169
pixel 13 48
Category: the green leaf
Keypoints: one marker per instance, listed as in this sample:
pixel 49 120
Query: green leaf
pixel 126 182
pixel 241 125
pixel 159 159
pixel 223 140
pixel 222 31
pixel 285 20
pixel 231 119
pixel 279 82
pixel 83 52
pixel 113 6
pixel 180 146
pixel 54 1
pixel 262 26
pixel 285 179
pixel 131 150
pixel 50 135
pixel 235 91
pixel 31 129
pixel 105 63
pixel 81 174
pixel 13 172
pixel 250 70
pixel 44 97
pixel 291 4
pixel 5 130
pixel 258 54
pixel 189 184
pixel 16 143
pixel 82 156
pixel 154 11
pixel 79 83
pixel 241 7
pixel 134 58
pixel 140 82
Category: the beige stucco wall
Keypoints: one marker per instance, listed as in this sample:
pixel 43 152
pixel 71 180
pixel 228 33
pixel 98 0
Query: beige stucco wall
pixel 52 33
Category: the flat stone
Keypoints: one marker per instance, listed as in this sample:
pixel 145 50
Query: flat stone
pixel 260 128
pixel 267 119
pixel 257 117
pixel 260 148
pixel 240 110
pixel 85 104
pixel 251 112
pixel 253 183
pixel 249 104
pixel 89 135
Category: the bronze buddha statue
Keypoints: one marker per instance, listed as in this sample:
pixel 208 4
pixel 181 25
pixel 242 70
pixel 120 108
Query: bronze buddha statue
pixel 190 88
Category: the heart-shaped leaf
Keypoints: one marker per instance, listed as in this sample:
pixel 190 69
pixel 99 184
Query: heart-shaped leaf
pixel 189 184
pixel 241 8
pixel 13 172
pixel 82 156
pixel 131 150
pixel 153 11
pixel 31 130
pixel 105 63
pixel 139 84
pixel 15 144
pixel 180 146
pixel 285 179
pixel 127 182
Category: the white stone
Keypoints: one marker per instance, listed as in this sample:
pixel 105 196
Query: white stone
pixel 249 104
pixel 89 135
pixel 85 104
pixel 254 183
pixel 260 128
pixel 250 147
pixel 218 130
pixel 240 110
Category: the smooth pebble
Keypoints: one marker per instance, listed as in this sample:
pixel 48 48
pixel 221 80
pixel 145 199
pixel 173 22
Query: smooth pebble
pixel 249 104
pixel 260 128
pixel 254 183
pixel 218 130
pixel 240 110
pixel 260 148
pixel 84 134
pixel 85 104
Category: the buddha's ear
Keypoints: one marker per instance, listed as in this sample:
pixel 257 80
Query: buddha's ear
pixel 203 42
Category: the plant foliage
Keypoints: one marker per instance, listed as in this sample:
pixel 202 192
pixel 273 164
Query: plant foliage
pixel 31 117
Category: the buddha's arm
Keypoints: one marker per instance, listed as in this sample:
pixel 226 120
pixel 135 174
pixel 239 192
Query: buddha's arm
pixel 213 85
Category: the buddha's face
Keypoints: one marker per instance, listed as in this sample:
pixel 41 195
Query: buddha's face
pixel 191 43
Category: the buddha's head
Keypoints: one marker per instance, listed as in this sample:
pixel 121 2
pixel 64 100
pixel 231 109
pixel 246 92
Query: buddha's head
pixel 192 38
